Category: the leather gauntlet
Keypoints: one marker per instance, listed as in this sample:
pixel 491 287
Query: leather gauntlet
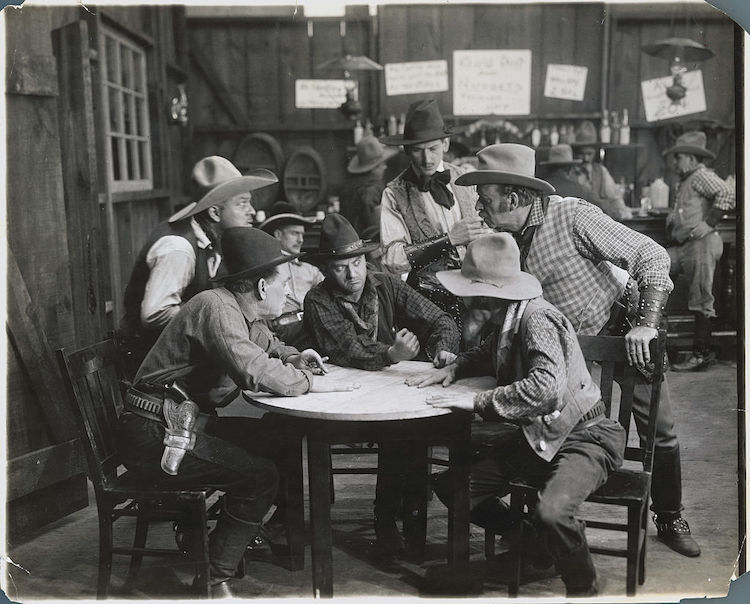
pixel 426 252
pixel 179 435
pixel 651 305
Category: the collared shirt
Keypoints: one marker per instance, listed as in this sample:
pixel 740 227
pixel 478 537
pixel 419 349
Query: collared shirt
pixel 350 343
pixel 302 278
pixel 707 183
pixel 217 344
pixel 171 261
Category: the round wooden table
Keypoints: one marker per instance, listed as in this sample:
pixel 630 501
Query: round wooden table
pixel 382 408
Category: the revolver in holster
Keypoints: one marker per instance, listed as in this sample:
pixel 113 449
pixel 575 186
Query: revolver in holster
pixel 180 415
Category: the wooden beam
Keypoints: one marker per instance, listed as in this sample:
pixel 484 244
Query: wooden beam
pixel 32 75
pixel 44 467
pixel 236 113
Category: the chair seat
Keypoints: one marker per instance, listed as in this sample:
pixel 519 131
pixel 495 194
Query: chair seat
pixel 624 487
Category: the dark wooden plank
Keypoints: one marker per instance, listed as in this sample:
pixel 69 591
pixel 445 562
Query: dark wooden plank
pixel 32 74
pixel 320 517
pixel 294 64
pixel 44 467
pixel 327 44
pixel 262 85
pixel 218 88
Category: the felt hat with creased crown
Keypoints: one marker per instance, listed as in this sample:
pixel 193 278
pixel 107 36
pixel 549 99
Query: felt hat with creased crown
pixel 423 123
pixel 338 240
pixel 283 214
pixel 560 155
pixel 370 153
pixel 214 180
pixel 507 164
pixel 585 135
pixel 693 142
pixel 491 268
pixel 249 252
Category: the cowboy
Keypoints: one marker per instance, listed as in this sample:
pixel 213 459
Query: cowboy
pixel 559 171
pixel 361 192
pixel 563 438
pixel 605 278
pixel 217 344
pixel 701 200
pixel 426 221
pixel 595 176
pixel 181 255
pixel 287 224
pixel 371 320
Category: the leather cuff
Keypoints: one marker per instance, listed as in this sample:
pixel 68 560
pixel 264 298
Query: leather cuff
pixel 651 305
pixel 426 252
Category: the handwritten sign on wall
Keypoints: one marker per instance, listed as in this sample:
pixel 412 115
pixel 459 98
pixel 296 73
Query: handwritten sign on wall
pixel 320 94
pixel 659 106
pixel 416 77
pixel 565 82
pixel 491 82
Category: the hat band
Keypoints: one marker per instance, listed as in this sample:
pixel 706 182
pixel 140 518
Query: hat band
pixel 344 249
pixel 497 285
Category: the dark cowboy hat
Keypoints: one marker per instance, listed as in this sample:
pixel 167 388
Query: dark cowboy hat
pixel 249 252
pixel 506 164
pixel 585 135
pixel 693 142
pixel 338 239
pixel 370 153
pixel 560 155
pixel 423 124
pixel 215 179
pixel 284 213
pixel 492 269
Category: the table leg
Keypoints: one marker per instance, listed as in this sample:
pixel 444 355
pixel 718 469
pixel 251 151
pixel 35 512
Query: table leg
pixel 320 517
pixel 458 514
pixel 295 506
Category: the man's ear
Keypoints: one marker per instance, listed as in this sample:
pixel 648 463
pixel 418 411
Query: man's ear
pixel 446 144
pixel 214 213
pixel 513 200
pixel 261 289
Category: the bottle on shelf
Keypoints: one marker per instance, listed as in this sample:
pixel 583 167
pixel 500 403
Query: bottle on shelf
pixel 368 128
pixel 545 136
pixel 554 136
pixel 483 140
pixel 401 123
pixel 392 125
pixel 358 132
pixel 625 129
pixel 614 126
pixel 536 136
pixel 604 131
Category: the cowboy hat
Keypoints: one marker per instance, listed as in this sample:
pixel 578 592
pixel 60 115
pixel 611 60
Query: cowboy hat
pixel 693 142
pixel 338 240
pixel 585 135
pixel 249 252
pixel 560 155
pixel 508 164
pixel 283 214
pixel 215 180
pixel 423 124
pixel 370 154
pixel 491 268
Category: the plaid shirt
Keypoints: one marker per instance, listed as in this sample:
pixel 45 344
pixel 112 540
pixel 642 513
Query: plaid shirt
pixel 707 183
pixel 349 341
pixel 573 249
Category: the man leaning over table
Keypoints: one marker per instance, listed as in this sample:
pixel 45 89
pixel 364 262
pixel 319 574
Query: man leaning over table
pixel 605 278
pixel 216 345
pixel 371 320
pixel 562 439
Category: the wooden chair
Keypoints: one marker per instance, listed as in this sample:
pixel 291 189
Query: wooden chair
pixel 93 380
pixel 627 487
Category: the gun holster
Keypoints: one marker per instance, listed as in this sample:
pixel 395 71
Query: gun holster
pixel 180 415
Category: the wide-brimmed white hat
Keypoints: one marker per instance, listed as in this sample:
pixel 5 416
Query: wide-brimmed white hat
pixel 492 269
pixel 506 164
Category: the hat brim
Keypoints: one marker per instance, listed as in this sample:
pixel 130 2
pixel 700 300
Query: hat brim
pixel 492 177
pixel 355 167
pixel 398 139
pixel 220 193
pixel 256 270
pixel 321 257
pixel 279 220
pixel 690 149
pixel 522 287
pixel 570 162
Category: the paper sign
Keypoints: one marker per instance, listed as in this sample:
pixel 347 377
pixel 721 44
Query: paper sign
pixel 416 77
pixel 320 94
pixel 565 82
pixel 491 82
pixel 659 106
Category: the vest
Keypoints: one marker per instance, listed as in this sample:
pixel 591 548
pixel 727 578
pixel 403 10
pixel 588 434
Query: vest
pixel 583 290
pixel 690 208
pixel 139 277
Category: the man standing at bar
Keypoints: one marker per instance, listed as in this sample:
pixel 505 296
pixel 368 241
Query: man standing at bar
pixel 701 200
pixel 425 220
pixel 605 278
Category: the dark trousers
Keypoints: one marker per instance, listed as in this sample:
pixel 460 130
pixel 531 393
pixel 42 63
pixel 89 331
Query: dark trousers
pixel 581 465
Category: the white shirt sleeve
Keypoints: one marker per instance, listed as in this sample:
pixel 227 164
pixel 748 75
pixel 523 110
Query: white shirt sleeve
pixel 393 235
pixel 172 263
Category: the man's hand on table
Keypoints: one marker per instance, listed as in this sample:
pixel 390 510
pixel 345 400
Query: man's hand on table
pixel 443 358
pixel 636 345
pixel 309 359
pixel 459 402
pixel 445 376
pixel 405 347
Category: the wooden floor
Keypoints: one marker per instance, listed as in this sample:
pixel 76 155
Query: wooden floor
pixel 60 561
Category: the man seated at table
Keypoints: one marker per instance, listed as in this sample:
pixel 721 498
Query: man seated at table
pixel 562 438
pixel 217 344
pixel 371 320
pixel 287 224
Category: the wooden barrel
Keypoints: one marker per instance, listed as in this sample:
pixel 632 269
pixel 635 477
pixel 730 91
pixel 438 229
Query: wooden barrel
pixel 304 179
pixel 260 150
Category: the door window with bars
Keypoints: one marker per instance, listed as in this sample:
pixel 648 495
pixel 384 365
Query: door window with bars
pixel 125 106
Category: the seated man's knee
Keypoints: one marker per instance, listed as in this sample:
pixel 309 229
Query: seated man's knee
pixel 550 513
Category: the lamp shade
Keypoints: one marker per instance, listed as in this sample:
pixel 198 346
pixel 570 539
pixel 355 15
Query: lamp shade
pixel 352 63
pixel 685 49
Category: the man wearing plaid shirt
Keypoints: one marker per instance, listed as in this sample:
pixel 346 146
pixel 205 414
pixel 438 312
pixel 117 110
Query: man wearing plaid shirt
pixel 370 321
pixel 701 200
pixel 605 278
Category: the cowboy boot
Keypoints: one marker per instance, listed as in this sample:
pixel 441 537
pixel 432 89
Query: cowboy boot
pixel 702 357
pixel 226 546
